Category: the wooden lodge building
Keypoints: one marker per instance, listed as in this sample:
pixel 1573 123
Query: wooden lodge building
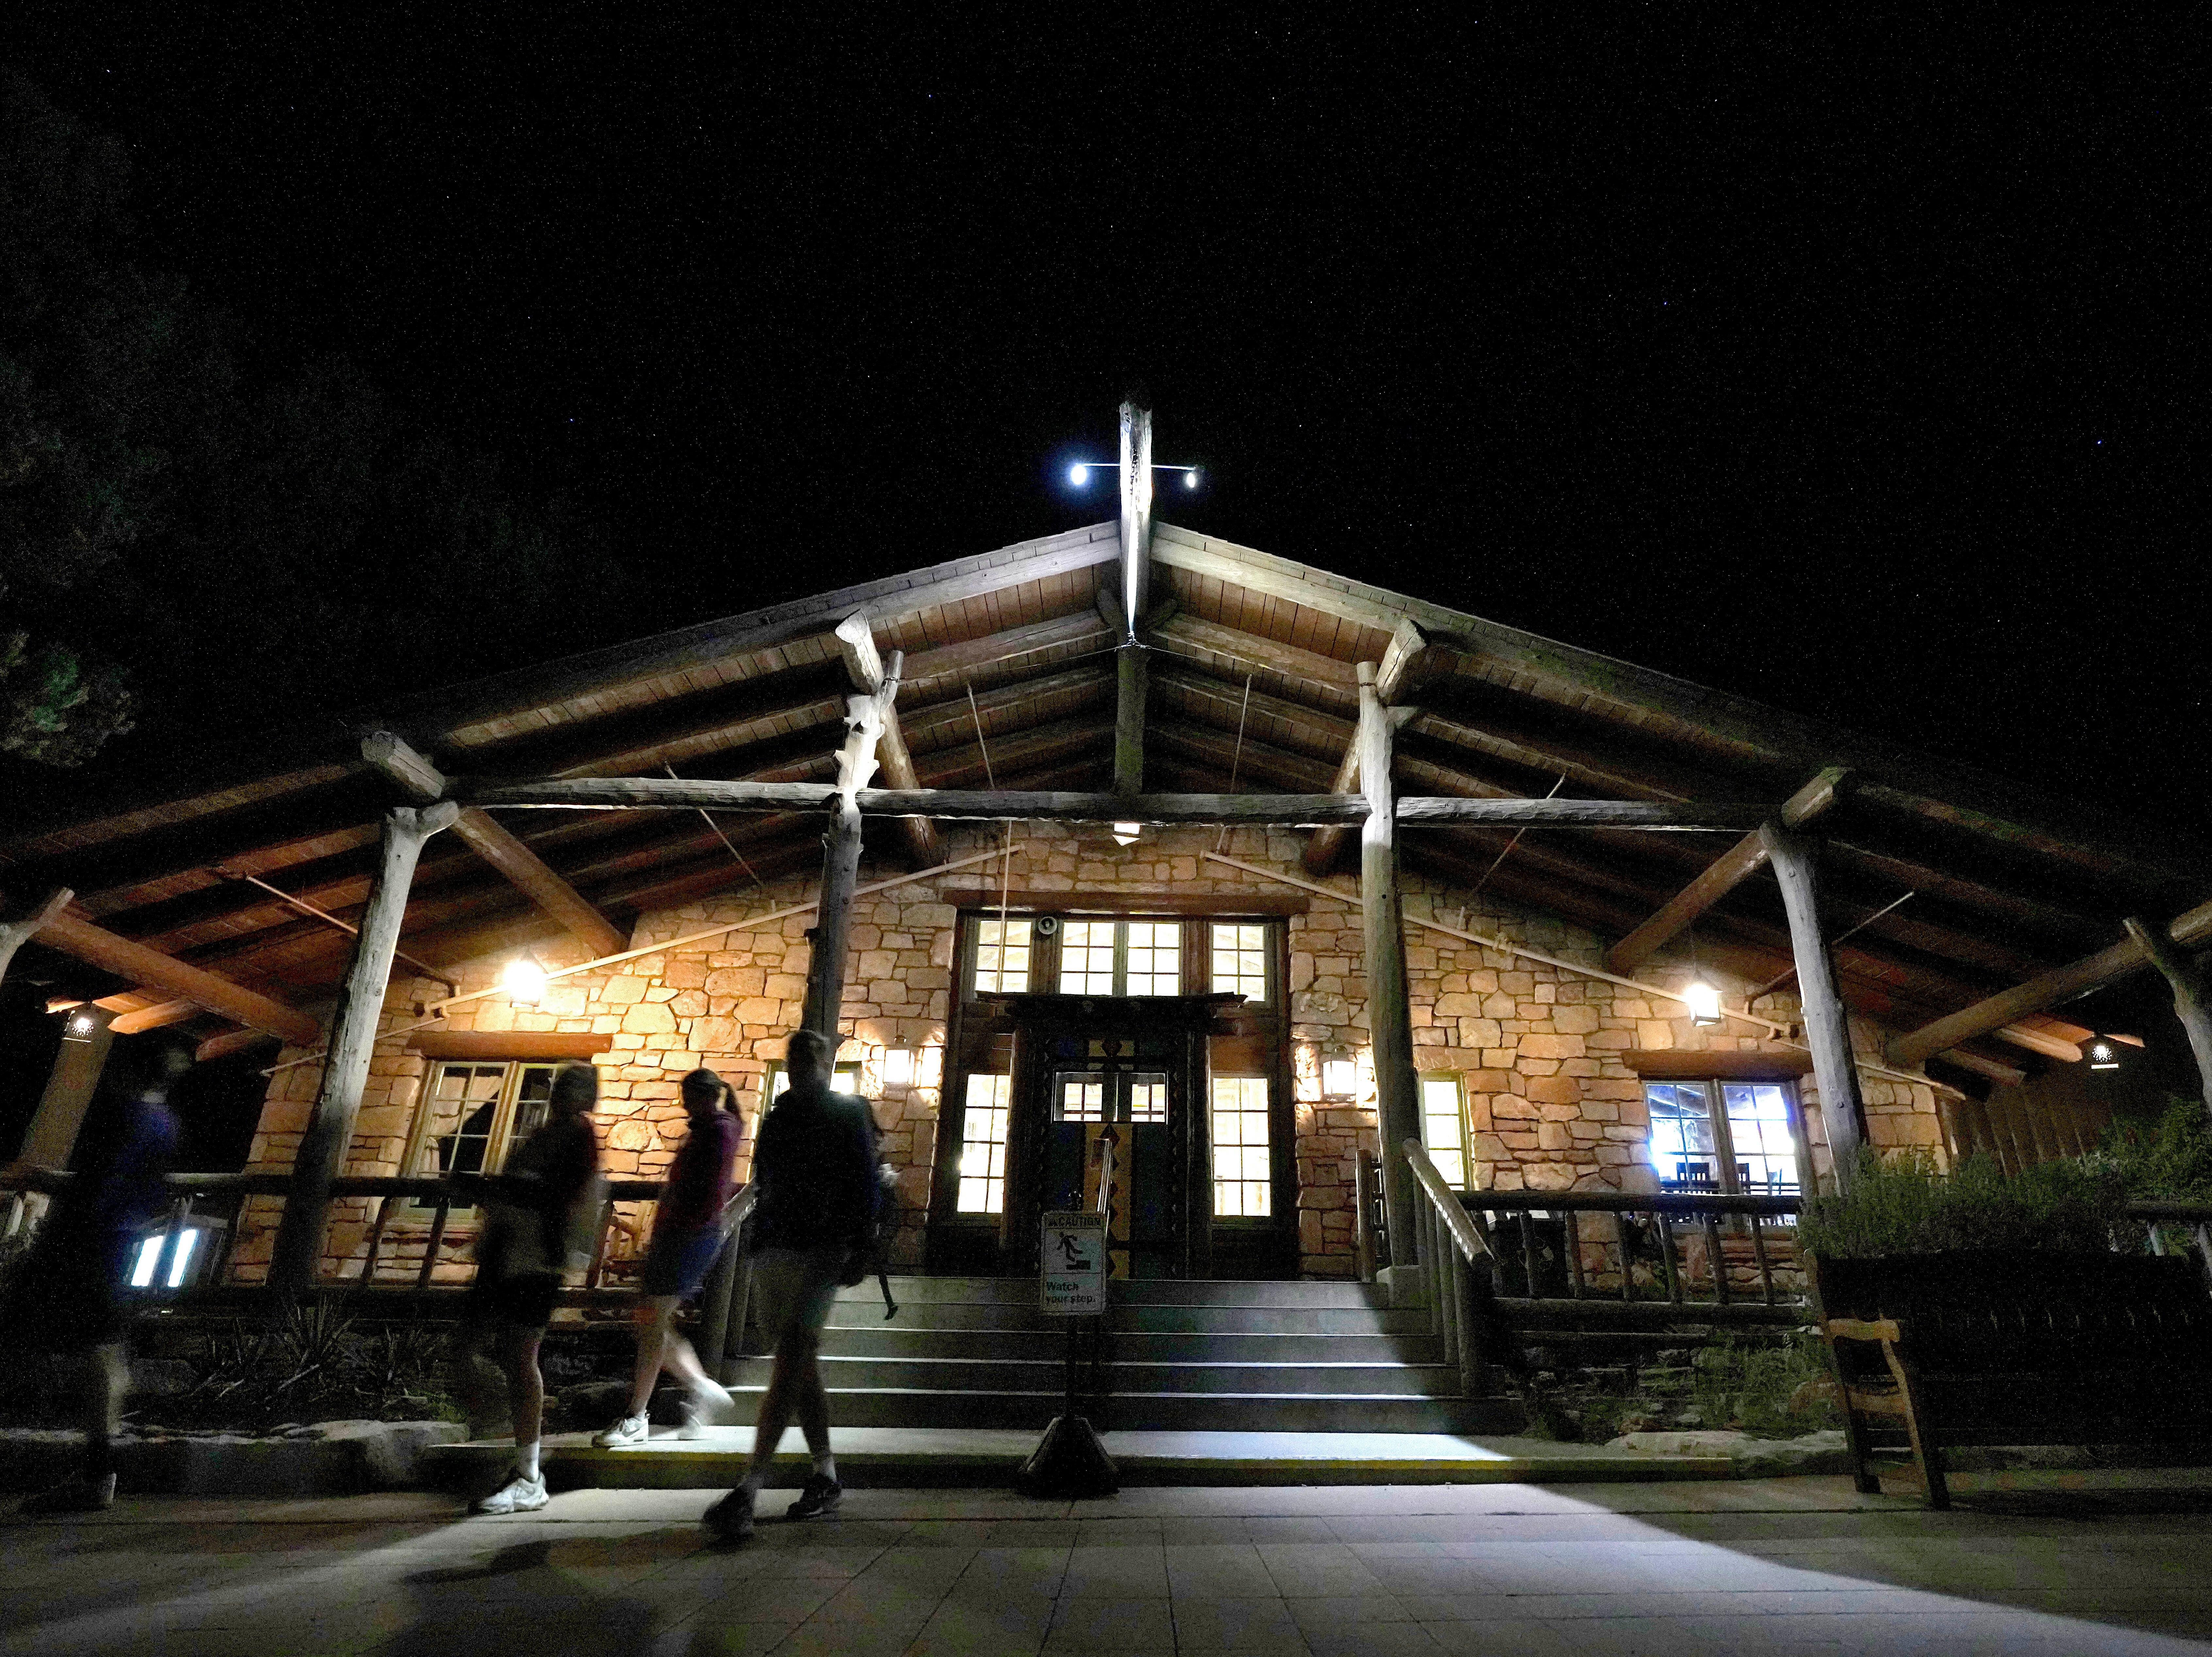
pixel 1267 864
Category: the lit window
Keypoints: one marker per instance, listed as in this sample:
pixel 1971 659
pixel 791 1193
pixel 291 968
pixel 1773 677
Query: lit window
pixel 983 1146
pixel 1722 1136
pixel 1086 957
pixel 843 1079
pixel 1121 957
pixel 1443 1128
pixel 1240 959
pixel 472 1115
pixel 1243 1184
pixel 1148 1098
pixel 1082 1099
pixel 1002 954
pixel 1109 1096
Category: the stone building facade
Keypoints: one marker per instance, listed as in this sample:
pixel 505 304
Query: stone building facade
pixel 1552 1062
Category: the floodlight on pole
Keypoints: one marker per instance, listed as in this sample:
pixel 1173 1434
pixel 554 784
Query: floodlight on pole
pixel 1080 473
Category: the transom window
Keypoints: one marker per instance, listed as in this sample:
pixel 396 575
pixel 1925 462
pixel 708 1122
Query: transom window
pixel 1240 958
pixel 843 1079
pixel 983 1146
pixel 1723 1135
pixel 1109 1096
pixel 1121 957
pixel 1443 1128
pixel 1244 1186
pixel 1002 954
pixel 472 1114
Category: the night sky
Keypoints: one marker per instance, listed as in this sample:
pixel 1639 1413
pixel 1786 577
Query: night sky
pixel 1840 363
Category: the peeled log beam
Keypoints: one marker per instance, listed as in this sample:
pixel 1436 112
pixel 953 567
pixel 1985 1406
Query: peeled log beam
pixel 668 793
pixel 153 970
pixel 2190 931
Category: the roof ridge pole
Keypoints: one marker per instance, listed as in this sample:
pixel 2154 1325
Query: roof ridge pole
pixel 1136 573
pixel 865 716
pixel 1390 1014
pixel 321 1155
pixel 1828 1029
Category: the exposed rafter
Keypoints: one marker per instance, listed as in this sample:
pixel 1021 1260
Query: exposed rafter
pixel 864 669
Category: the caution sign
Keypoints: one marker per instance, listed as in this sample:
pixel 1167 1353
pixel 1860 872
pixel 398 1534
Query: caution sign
pixel 1073 1268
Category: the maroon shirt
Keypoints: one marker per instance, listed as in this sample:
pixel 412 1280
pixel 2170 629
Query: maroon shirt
pixel 700 1181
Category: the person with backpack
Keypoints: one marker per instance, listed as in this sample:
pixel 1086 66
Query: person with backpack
pixel 814 1222
pixel 541 1219
pixel 687 1236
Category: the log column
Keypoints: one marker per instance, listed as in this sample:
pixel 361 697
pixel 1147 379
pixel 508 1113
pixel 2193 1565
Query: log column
pixel 1389 1015
pixel 2192 994
pixel 864 719
pixel 322 1151
pixel 1828 1031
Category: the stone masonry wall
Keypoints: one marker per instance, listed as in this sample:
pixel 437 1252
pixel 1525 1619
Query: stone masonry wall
pixel 1540 1049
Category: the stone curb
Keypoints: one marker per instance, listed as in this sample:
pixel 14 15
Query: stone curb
pixel 333 1458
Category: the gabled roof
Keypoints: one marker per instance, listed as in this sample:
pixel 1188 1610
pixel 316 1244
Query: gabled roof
pixel 1252 673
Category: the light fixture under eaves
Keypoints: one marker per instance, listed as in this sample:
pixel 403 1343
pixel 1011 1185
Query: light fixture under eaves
pixel 1125 834
pixel 1704 1003
pixel 524 980
pixel 2102 1054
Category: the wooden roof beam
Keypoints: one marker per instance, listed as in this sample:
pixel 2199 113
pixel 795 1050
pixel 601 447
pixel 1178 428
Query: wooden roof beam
pixel 497 845
pixel 864 667
pixel 1410 661
pixel 98 947
pixel 1129 664
pixel 2190 931
pixel 1727 871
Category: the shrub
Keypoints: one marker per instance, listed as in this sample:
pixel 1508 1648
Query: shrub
pixel 2171 1161
pixel 1906 1205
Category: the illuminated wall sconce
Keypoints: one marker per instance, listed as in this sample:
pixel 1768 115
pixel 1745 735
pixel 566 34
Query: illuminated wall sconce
pixel 81 1026
pixel 899 1067
pixel 2101 1053
pixel 1125 834
pixel 524 980
pixel 1340 1078
pixel 1704 1003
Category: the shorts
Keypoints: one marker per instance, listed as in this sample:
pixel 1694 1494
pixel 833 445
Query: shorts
pixel 524 1300
pixel 676 1262
pixel 793 1288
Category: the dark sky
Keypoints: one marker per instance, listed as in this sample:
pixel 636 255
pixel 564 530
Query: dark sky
pixel 1842 363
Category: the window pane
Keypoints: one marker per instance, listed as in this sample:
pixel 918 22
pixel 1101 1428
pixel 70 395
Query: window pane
pixel 457 1121
pixel 1765 1150
pixel 1086 957
pixel 1683 1152
pixel 1240 959
pixel 1443 1128
pixel 843 1079
pixel 1154 957
pixel 1002 954
pixel 983 1147
pixel 1078 1099
pixel 1242 1185
pixel 1148 1098
pixel 534 1099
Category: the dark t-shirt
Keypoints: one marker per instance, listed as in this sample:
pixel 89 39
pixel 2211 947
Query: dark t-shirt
pixel 551 1174
pixel 700 1179
pixel 815 1168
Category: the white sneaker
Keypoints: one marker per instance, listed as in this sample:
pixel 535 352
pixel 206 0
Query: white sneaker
pixel 518 1495
pixel 630 1430
pixel 706 1405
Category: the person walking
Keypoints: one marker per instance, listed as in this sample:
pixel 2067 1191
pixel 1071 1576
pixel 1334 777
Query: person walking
pixel 814 1166
pixel 69 1296
pixel 541 1217
pixel 687 1236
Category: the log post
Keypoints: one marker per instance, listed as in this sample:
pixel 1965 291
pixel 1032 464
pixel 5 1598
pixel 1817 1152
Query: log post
pixel 1133 678
pixel 1389 1015
pixel 1130 672
pixel 2192 994
pixel 51 1140
pixel 1827 1029
pixel 321 1157
pixel 864 719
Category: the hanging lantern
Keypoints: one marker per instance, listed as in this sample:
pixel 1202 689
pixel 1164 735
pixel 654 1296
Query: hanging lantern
pixel 898 1067
pixel 1704 1003
pixel 2102 1053
pixel 524 980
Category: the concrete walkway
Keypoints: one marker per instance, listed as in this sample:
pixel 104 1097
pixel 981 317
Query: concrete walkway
pixel 2056 1562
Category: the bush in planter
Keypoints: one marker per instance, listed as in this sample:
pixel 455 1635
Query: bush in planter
pixel 1905 1204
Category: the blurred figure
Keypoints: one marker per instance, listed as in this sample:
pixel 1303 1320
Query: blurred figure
pixel 814 1165
pixel 687 1237
pixel 541 1219
pixel 69 1297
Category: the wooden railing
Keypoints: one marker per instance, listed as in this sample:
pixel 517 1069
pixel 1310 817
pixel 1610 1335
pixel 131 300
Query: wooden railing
pixel 1451 1250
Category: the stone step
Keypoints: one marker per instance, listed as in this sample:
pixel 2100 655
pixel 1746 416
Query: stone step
pixel 1177 1411
pixel 1137 1291
pixel 1043 1375
pixel 1165 1319
pixel 1178 1346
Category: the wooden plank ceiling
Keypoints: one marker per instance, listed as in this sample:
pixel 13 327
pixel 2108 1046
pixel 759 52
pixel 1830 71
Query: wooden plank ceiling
pixel 1252 671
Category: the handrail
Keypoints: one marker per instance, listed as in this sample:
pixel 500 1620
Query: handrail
pixel 1447 1202
pixel 1104 1202
pixel 53 1181
pixel 1640 1202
